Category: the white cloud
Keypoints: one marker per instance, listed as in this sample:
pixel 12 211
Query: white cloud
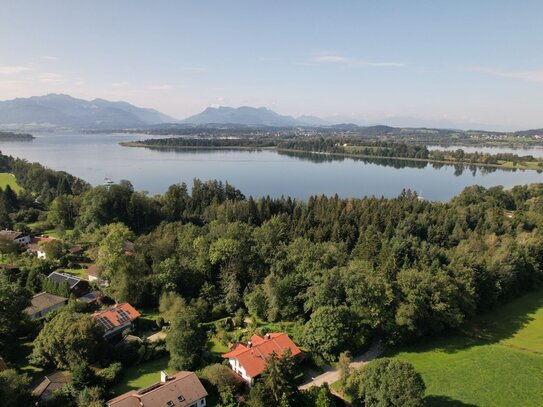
pixel 338 59
pixel 534 75
pixel 50 58
pixel 10 70
pixel 119 84
pixel 267 59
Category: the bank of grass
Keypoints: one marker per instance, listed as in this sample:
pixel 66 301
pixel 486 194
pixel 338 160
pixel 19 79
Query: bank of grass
pixel 495 360
pixel 140 376
pixel 9 179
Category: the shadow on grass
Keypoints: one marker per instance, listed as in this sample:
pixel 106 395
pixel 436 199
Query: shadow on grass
pixel 494 326
pixel 444 401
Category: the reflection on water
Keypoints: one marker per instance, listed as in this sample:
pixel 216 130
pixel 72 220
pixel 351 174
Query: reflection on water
pixel 396 163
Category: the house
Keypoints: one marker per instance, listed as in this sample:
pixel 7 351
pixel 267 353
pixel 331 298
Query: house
pixel 44 390
pixel 129 248
pixel 116 319
pixel 93 274
pixel 78 286
pixel 37 250
pixel 249 360
pixel 35 246
pixel 14 236
pixel 43 303
pixel 183 389
pixel 75 250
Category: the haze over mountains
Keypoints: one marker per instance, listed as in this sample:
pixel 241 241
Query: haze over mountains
pixel 246 115
pixel 55 111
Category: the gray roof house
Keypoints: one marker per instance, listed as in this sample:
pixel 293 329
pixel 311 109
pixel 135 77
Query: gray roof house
pixel 43 303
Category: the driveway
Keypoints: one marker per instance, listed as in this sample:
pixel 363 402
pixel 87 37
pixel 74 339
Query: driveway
pixel 331 374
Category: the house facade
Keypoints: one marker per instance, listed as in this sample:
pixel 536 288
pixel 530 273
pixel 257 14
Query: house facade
pixel 249 360
pixel 182 389
pixel 14 236
pixel 117 319
pixel 44 303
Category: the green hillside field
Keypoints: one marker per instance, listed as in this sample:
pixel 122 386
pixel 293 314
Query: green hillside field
pixel 9 179
pixel 495 360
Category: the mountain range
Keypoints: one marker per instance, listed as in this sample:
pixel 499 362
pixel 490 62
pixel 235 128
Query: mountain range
pixel 54 110
pixel 64 111
pixel 251 116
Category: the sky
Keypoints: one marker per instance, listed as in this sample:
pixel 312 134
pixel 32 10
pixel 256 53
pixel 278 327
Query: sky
pixel 467 63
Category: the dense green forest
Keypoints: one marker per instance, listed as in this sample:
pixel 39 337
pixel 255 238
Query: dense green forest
pixel 336 273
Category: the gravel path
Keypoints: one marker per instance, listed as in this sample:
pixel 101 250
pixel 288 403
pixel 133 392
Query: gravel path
pixel 331 374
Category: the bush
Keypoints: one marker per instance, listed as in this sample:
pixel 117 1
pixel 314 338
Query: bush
pixel 110 375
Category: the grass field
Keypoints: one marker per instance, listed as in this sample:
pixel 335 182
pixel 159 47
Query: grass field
pixel 138 377
pixel 9 179
pixel 495 360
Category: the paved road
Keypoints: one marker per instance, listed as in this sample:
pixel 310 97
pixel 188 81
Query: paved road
pixel 331 374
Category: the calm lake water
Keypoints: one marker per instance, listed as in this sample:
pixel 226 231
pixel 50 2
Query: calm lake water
pixel 93 157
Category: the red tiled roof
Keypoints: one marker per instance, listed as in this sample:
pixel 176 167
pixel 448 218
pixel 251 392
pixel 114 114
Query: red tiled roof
pixel 92 270
pixel 117 316
pixel 42 239
pixel 253 357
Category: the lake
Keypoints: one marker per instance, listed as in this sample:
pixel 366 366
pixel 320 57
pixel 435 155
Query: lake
pixel 96 156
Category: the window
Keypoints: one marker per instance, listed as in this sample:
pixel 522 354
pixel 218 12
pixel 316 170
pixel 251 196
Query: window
pixel 170 404
pixel 181 398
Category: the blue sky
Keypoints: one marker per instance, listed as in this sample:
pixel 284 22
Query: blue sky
pixel 468 63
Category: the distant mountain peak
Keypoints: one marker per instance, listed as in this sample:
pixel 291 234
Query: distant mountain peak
pixel 251 116
pixel 61 110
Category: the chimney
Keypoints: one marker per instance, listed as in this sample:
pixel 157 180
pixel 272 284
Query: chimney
pixel 268 336
pixel 250 344
pixel 164 376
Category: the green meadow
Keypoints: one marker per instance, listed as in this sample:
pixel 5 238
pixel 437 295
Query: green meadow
pixel 9 179
pixel 494 360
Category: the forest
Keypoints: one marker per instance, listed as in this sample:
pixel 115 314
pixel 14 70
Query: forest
pixel 336 273
pixel 350 147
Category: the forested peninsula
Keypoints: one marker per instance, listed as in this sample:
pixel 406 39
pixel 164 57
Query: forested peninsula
pixel 355 148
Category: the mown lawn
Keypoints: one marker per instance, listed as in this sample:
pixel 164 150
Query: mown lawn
pixel 138 377
pixel 495 360
pixel 9 179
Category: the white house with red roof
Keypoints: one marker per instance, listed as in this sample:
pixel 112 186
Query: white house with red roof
pixel 249 360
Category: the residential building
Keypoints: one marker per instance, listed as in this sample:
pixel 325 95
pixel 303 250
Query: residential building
pixel 183 389
pixel 77 286
pixel 116 319
pixel 44 390
pixel 14 236
pixel 43 303
pixel 249 360
pixel 37 250
pixel 93 274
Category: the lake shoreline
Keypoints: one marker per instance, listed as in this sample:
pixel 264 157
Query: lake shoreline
pixel 345 155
